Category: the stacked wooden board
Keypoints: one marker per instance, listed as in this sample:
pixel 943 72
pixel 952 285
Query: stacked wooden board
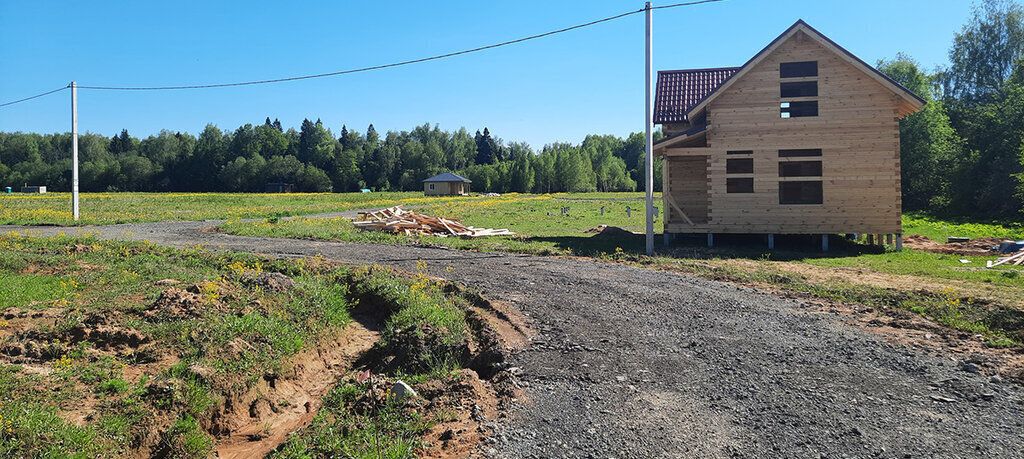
pixel 1015 259
pixel 399 221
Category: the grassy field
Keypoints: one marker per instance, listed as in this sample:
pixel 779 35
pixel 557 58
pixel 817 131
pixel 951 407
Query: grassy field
pixel 107 208
pixel 538 220
pixel 937 229
pixel 115 348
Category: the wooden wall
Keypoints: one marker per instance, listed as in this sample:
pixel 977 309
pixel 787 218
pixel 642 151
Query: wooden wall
pixel 857 129
pixel 687 180
pixel 445 188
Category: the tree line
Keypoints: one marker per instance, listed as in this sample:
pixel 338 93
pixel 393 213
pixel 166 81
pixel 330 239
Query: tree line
pixel 314 159
pixel 963 154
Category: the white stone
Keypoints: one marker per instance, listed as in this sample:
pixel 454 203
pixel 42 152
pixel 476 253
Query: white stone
pixel 401 390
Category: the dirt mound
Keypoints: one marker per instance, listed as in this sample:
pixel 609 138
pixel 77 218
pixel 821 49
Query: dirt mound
pixel 178 304
pixel 472 402
pixel 605 230
pixel 106 336
pixel 416 348
pixel 17 313
pixel 977 247
pixel 102 331
pixel 276 282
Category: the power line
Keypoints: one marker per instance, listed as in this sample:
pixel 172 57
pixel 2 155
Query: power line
pixel 35 96
pixel 396 64
pixel 683 4
pixel 375 67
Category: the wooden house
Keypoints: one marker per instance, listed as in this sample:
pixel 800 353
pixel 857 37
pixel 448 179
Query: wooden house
pixel 801 139
pixel 446 184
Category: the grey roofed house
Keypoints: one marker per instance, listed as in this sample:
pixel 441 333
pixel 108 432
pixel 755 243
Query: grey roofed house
pixel 446 184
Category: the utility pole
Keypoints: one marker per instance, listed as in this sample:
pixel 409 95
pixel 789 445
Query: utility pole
pixel 649 142
pixel 74 149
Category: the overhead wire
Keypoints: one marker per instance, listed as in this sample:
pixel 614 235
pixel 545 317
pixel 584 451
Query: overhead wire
pixel 370 68
pixel 35 96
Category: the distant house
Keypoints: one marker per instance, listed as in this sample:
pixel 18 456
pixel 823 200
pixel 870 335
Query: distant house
pixel 280 188
pixel 802 139
pixel 446 184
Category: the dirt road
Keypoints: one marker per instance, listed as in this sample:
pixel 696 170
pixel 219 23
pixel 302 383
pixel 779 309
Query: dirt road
pixel 637 363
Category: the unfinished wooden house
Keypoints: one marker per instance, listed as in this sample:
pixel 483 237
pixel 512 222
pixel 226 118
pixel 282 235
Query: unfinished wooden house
pixel 446 184
pixel 802 139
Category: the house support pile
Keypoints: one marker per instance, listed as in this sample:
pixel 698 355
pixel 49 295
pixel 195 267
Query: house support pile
pixel 398 221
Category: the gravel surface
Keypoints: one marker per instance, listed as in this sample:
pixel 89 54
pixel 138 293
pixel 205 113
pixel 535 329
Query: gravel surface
pixel 637 363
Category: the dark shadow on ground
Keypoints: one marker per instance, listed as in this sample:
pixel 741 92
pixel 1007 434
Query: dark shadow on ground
pixel 749 246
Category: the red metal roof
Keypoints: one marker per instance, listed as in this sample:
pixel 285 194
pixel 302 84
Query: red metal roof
pixel 678 91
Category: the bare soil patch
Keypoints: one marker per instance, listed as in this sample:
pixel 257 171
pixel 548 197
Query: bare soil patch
pixel 605 230
pixel 979 247
pixel 253 422
pixel 908 329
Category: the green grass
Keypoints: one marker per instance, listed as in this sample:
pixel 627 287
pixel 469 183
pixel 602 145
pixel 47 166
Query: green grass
pixel 109 208
pixel 936 266
pixel 358 423
pixel 425 328
pixel 24 289
pixel 238 330
pixel 541 226
pixel 937 229
pixel 425 332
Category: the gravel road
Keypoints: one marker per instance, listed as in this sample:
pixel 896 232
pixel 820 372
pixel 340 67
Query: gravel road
pixel 637 363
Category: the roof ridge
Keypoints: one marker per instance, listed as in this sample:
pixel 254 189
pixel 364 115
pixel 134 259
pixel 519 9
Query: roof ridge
pixel 708 69
pixel 448 177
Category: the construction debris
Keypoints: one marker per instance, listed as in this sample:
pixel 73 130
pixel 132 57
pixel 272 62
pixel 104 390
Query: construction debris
pixel 979 247
pixel 399 221
pixel 1015 259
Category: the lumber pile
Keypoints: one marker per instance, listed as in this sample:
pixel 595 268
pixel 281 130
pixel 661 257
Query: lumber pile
pixel 1015 259
pixel 399 221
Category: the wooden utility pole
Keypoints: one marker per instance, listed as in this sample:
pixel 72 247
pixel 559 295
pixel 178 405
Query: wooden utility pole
pixel 74 149
pixel 648 140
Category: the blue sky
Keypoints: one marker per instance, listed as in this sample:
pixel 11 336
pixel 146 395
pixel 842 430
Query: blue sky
pixel 558 88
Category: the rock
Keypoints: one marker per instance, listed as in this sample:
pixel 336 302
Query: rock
pixel 167 282
pixel 996 379
pixel 938 398
pixel 447 435
pixel 400 390
pixel 970 368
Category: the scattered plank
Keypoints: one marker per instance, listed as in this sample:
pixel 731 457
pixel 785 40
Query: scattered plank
pixel 1015 259
pixel 397 220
